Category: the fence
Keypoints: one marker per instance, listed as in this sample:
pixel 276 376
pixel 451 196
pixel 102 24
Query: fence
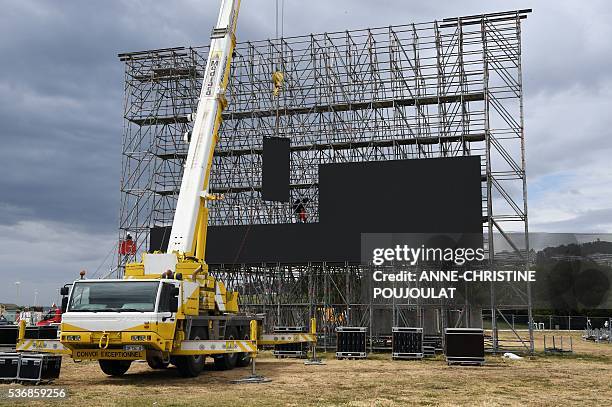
pixel 549 322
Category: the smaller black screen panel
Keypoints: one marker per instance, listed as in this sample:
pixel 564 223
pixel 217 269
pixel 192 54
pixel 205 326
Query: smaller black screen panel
pixel 275 169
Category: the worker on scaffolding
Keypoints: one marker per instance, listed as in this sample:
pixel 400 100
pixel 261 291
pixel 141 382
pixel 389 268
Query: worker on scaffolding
pixel 127 247
pixel 299 209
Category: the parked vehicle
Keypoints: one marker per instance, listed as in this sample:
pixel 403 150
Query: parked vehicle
pixel 54 316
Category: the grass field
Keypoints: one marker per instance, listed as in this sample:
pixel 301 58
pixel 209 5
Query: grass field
pixel 582 378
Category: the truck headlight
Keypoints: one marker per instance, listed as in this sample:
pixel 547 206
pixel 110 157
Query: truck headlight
pixel 72 338
pixel 137 338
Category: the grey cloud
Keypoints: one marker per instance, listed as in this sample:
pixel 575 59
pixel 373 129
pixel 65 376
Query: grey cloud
pixel 591 221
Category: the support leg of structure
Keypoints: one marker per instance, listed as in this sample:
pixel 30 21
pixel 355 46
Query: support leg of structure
pixel 314 360
pixel 253 377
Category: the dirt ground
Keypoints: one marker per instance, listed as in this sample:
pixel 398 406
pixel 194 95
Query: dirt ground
pixel 582 378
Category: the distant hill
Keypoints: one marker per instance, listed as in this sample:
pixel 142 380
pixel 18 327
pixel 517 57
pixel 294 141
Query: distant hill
pixel 574 276
pixel 540 240
pixel 583 249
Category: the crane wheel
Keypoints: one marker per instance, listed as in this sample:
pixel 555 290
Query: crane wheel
pixel 192 366
pixel 228 361
pixel 157 363
pixel 114 367
pixel 244 359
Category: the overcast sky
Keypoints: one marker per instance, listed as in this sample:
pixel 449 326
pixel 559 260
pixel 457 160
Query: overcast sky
pixel 61 90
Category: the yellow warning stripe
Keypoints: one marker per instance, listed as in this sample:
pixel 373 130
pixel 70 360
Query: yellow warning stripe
pixel 41 345
pixel 282 338
pixel 24 344
pixel 191 347
pixel 243 346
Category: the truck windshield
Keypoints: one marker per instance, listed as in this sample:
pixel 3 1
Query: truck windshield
pixel 124 296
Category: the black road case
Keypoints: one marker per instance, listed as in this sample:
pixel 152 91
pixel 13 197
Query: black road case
pixel 407 343
pixel 8 335
pixel 290 350
pixel 41 332
pixel 429 351
pixel 9 366
pixel 464 346
pixel 39 367
pixel 351 342
pixel 435 341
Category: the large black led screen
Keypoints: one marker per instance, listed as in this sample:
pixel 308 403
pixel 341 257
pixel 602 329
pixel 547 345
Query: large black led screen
pixel 438 195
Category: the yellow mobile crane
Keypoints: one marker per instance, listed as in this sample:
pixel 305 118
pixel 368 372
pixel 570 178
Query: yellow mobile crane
pixel 168 308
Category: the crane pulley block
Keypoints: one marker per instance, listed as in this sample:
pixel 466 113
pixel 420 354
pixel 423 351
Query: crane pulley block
pixel 277 80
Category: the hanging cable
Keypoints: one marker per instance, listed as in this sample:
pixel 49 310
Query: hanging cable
pixel 113 249
pixel 278 76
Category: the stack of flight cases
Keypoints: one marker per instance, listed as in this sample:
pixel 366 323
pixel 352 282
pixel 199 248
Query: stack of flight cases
pixel 351 342
pixel 432 344
pixel 290 350
pixel 29 367
pixel 407 343
pixel 464 346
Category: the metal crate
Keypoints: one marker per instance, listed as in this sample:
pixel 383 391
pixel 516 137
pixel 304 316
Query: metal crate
pixel 39 367
pixel 351 342
pixel 9 366
pixel 429 351
pixel 407 343
pixel 8 336
pixel 434 341
pixel 291 350
pixel 464 346
pixel 289 329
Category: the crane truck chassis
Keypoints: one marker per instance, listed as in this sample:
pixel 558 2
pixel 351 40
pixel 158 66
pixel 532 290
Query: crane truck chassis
pixel 176 317
pixel 168 308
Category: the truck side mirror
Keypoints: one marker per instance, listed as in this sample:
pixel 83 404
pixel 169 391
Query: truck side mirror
pixel 65 290
pixel 64 304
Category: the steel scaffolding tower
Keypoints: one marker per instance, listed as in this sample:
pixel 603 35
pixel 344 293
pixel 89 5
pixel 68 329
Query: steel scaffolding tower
pixel 438 89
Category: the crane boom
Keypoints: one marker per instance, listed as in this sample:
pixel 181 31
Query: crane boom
pixel 188 235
